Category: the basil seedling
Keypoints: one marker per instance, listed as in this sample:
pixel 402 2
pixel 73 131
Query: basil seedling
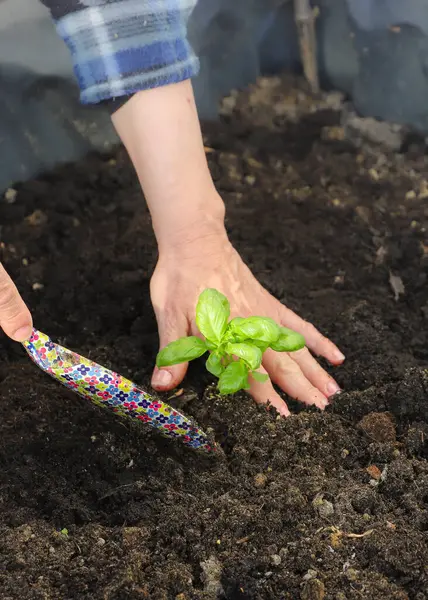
pixel 236 346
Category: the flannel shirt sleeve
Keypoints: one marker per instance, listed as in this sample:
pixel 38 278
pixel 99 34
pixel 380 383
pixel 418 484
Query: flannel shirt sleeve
pixel 120 47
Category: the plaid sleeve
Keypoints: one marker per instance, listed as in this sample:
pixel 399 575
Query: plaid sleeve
pixel 120 47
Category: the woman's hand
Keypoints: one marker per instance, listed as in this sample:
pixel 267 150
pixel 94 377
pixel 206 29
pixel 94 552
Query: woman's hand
pixel 182 274
pixel 161 132
pixel 15 318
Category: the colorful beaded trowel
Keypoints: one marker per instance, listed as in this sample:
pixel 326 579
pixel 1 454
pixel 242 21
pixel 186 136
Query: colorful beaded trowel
pixel 109 390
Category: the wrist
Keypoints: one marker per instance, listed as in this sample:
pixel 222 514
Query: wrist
pixel 192 226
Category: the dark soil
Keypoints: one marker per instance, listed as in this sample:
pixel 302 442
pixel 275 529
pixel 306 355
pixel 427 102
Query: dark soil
pixel 331 505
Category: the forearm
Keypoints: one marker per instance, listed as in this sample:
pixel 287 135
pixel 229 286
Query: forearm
pixel 145 52
pixel 161 131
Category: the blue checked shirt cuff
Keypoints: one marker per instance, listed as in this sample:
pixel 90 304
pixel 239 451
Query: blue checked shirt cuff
pixel 120 47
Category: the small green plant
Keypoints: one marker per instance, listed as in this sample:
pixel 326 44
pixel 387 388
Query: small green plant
pixel 236 347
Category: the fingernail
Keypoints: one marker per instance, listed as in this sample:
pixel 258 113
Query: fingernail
pixel 321 403
pixel 22 334
pixel 332 388
pixel 162 378
pixel 339 356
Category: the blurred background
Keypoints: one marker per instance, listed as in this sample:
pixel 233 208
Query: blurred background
pixel 375 51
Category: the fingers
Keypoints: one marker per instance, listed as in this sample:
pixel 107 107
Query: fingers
pixel 171 326
pixel 315 373
pixel 264 393
pixel 15 318
pixel 318 343
pixel 287 374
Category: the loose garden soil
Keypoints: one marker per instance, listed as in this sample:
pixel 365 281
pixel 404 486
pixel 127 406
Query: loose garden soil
pixel 327 505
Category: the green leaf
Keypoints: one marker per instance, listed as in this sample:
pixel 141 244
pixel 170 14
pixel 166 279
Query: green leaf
pixel 262 345
pixel 234 378
pixel 262 329
pixel 230 333
pixel 214 365
pixel 288 341
pixel 211 347
pixel 235 322
pixel 212 314
pixel 180 351
pixel 261 377
pixel 250 354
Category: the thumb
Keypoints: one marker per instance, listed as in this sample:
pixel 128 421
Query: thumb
pixel 171 327
pixel 15 318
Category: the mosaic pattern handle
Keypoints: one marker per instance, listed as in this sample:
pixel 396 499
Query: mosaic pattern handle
pixel 109 390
